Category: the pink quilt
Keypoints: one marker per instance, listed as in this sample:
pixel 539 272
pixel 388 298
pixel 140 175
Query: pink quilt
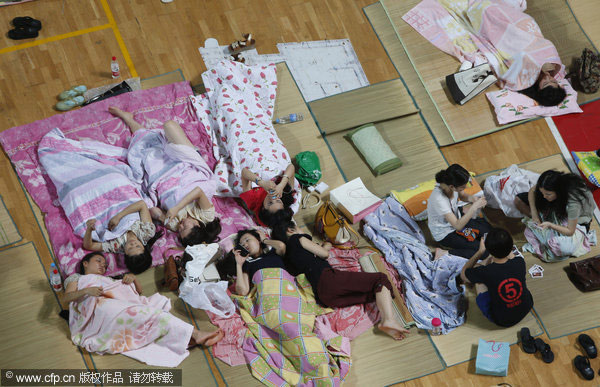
pixel 93 122
pixel 348 322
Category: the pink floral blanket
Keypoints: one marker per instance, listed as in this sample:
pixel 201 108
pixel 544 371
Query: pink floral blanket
pixel 93 122
pixel 348 322
pixel 122 321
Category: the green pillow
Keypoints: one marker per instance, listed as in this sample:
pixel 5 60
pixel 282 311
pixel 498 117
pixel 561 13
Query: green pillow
pixel 376 152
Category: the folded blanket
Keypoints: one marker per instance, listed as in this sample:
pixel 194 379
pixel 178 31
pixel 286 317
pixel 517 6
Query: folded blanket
pixel 122 321
pixel 430 287
pixel 280 345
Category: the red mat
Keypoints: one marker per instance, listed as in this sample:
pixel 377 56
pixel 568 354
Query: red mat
pixel 581 132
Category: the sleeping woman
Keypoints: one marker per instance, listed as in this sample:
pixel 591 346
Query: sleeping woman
pixel 176 177
pixel 497 32
pixel 111 316
pixel 98 193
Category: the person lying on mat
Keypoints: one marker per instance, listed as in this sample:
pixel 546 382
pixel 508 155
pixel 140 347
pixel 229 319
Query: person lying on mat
pixel 448 225
pixel 111 316
pixel 270 200
pixel 100 197
pixel 497 32
pixel 559 201
pixel 176 176
pixel 335 288
pixel 136 243
pixel 500 282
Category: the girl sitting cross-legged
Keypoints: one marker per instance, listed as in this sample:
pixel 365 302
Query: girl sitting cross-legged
pixel 176 176
pixel 111 316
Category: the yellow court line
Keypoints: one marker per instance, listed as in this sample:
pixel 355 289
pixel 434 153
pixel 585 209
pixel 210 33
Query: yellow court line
pixel 113 24
pixel 54 38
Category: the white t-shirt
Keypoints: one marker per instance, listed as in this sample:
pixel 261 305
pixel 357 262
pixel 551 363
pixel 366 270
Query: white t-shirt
pixel 439 205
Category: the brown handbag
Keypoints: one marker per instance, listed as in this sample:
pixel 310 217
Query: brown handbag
pixel 333 227
pixel 586 273
pixel 171 275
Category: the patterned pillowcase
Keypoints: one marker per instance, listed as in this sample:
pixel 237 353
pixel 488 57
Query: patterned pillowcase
pixel 513 106
pixel 589 164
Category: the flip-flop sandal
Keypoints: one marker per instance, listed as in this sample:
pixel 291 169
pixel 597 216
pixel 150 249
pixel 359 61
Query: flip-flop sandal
pixel 588 345
pixel 527 341
pixel 582 364
pixel 27 21
pixel 72 92
pixel 545 351
pixel 23 33
pixel 242 45
pixel 394 333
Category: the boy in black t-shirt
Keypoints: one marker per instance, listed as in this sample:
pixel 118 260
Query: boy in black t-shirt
pixel 502 293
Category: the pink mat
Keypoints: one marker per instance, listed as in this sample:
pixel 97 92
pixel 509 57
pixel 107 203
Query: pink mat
pixel 348 322
pixel 93 122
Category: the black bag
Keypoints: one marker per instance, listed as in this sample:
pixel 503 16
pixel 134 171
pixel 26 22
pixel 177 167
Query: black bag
pixel 121 88
pixel 586 72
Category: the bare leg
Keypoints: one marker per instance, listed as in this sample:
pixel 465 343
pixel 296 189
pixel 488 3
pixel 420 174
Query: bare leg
pixel 127 117
pixel 175 134
pixel 388 323
pixel 522 207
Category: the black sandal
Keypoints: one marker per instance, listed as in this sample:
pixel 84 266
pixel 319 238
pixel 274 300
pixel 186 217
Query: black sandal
pixel 545 351
pixel 527 341
pixel 27 21
pixel 23 33
pixel 582 364
pixel 588 345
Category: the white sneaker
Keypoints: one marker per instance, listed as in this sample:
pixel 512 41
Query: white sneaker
pixel 465 66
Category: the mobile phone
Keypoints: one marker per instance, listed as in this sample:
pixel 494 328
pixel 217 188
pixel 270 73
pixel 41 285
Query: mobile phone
pixel 242 250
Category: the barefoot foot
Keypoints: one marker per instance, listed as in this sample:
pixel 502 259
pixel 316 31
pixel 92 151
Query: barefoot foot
pixel 115 111
pixel 439 253
pixel 393 329
pixel 205 338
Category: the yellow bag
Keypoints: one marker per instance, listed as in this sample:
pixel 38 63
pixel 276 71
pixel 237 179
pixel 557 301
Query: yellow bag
pixel 334 228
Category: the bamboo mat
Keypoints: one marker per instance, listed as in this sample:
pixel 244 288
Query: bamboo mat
pixel 379 102
pixel 432 65
pixel 384 29
pixel 33 334
pixel 560 306
pixel 409 140
pixel 303 135
pixel 461 344
pixel 9 233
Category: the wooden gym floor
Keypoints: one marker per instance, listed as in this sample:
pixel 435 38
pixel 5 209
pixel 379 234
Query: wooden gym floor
pixel 150 38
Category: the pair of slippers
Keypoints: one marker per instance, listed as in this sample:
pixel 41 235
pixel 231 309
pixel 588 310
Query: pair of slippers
pixel 582 363
pixel 26 27
pixel 71 98
pixel 531 345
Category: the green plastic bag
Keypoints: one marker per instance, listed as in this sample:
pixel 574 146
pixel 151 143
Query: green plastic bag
pixel 309 168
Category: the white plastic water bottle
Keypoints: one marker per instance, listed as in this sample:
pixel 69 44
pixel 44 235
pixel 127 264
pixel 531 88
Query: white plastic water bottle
pixel 293 117
pixel 437 326
pixel 55 279
pixel 114 68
